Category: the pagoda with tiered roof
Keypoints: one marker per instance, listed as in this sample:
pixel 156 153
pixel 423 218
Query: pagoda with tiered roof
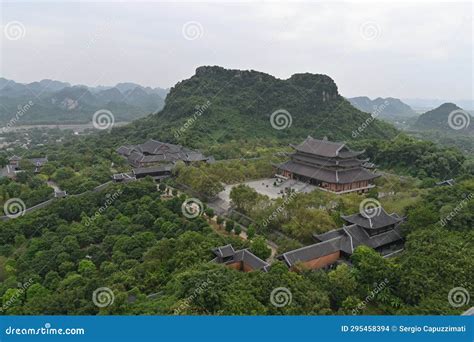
pixel 331 166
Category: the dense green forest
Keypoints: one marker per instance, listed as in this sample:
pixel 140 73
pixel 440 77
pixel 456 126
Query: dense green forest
pixel 153 259
pixel 422 159
pixel 463 142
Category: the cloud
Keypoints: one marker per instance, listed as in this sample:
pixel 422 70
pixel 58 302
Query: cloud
pixel 374 49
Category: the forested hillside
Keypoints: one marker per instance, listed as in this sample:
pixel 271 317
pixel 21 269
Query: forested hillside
pixel 217 105
pixel 448 117
pixel 422 159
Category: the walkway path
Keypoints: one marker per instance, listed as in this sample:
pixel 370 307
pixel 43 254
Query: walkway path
pixel 53 185
pixel 243 235
pixel 51 200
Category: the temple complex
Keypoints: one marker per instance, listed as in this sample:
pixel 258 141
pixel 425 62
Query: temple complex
pixel 331 166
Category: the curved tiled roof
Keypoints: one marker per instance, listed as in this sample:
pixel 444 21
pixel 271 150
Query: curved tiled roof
pixel 224 251
pixel 326 148
pixel 250 259
pixel 153 151
pixel 344 239
pixel 243 255
pixel 374 220
pixel 360 237
pixel 152 169
pixel 323 161
pixel 311 252
pixel 344 176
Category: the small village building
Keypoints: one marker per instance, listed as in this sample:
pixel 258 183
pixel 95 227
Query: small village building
pixel 242 260
pixel 60 193
pixel 38 163
pixel 14 164
pixel 447 182
pixel 380 232
pixel 331 166
pixel 123 177
pixel 14 160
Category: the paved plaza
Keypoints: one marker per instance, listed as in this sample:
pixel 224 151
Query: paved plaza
pixel 266 187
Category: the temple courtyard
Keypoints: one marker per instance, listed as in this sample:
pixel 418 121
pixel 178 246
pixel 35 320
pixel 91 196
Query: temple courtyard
pixel 266 187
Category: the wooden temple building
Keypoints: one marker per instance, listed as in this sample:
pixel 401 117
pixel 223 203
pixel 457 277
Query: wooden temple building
pixel 241 260
pixel 331 166
pixel 154 152
pixel 380 232
pixel 156 159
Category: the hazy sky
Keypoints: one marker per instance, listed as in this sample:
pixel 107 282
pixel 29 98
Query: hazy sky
pixel 401 50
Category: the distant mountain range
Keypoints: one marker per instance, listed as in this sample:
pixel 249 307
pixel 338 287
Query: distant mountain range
pixel 50 101
pixel 428 104
pixel 441 119
pixel 383 107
